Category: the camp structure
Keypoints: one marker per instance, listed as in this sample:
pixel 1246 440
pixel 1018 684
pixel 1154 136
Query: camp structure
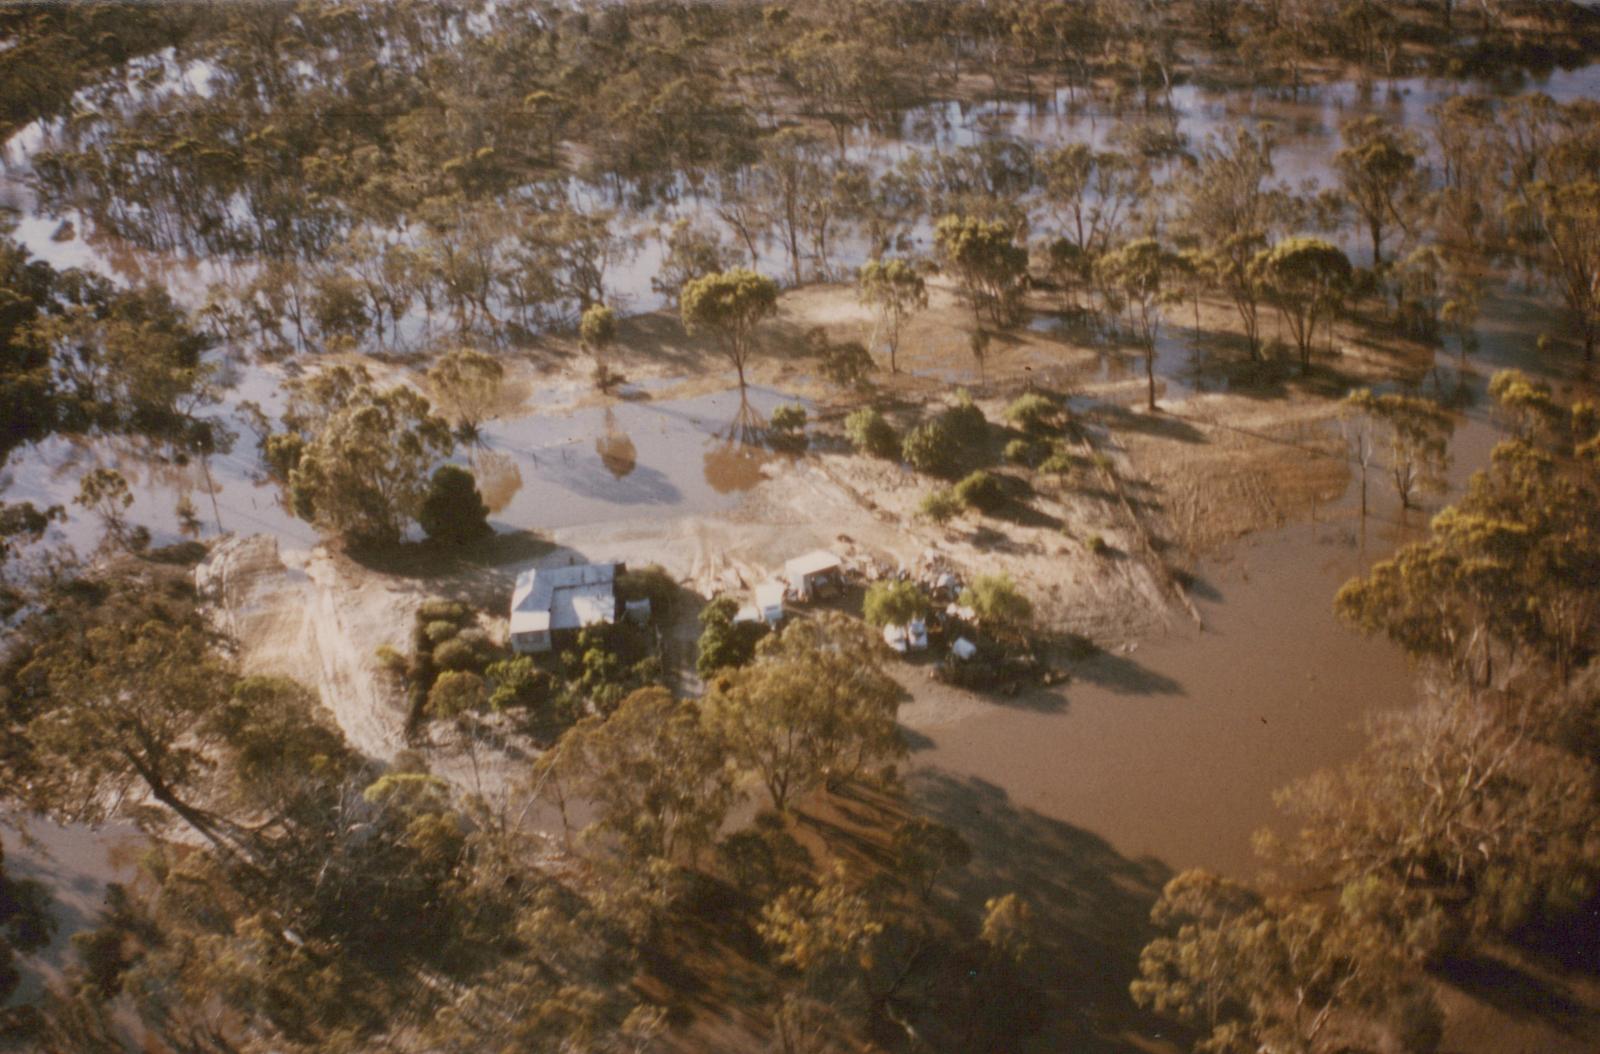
pixel 815 575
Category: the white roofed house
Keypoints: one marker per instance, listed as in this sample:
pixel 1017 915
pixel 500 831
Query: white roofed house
pixel 549 602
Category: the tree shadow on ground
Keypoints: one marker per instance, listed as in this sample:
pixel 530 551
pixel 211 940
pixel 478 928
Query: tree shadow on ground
pixel 1090 906
pixel 1159 425
pixel 471 565
pixel 1124 676
pixel 1521 993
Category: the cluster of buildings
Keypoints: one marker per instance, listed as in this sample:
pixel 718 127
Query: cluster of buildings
pixel 550 605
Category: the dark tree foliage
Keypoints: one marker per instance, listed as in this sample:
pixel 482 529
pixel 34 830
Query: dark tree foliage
pixel 453 510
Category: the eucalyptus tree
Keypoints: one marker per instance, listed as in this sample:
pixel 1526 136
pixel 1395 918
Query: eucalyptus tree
pixel 794 183
pixel 729 305
pixel 1307 279
pixel 468 387
pixel 1231 208
pixel 1567 218
pixel 1524 528
pixel 988 266
pixel 896 290
pixel 1092 195
pixel 1382 174
pixel 694 249
pixel 1140 273
pixel 1280 973
pixel 814 706
pixel 356 459
pixel 1416 433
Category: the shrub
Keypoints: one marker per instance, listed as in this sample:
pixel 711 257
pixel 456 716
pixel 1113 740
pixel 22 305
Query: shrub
pixel 440 631
pixel 455 655
pixel 390 660
pixel 998 604
pixel 930 447
pixel 453 511
pixel 940 506
pixel 870 434
pixel 893 603
pixel 652 583
pixel 847 364
pixel 1025 452
pixel 1033 412
pixel 788 427
pixel 981 491
pixel 1059 463
pixel 455 692
pixel 1097 545
pixel 517 682
pixel 965 422
pixel 440 609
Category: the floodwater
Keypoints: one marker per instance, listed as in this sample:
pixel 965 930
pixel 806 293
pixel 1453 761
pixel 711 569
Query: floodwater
pixel 1170 750
pixel 74 863
pixel 538 470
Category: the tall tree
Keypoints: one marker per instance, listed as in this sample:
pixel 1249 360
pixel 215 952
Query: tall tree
pixel 989 266
pixel 729 305
pixel 1416 432
pixel 468 386
pixel 1307 279
pixel 815 705
pixel 653 773
pixel 1381 171
pixel 895 290
pixel 1139 274
pixel 1274 974
pixel 356 459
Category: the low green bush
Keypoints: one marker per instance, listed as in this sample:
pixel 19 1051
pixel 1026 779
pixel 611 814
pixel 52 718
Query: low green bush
pixel 787 428
pixel 1034 413
pixel 940 506
pixel 982 491
pixel 965 422
pixel 1028 452
pixel 930 447
pixel 440 631
pixel 456 655
pixel 870 434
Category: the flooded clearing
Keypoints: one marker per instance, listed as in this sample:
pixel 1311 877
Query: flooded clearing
pixel 1153 472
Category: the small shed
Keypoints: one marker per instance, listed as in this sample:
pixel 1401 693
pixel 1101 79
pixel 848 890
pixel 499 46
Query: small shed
pixel 815 575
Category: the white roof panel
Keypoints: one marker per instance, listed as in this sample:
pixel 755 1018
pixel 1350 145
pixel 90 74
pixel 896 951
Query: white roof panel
pixel 812 563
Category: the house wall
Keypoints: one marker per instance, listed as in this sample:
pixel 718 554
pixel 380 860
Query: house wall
pixel 530 643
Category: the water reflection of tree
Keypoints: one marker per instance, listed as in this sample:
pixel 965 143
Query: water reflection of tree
pixel 498 477
pixel 733 460
pixel 616 449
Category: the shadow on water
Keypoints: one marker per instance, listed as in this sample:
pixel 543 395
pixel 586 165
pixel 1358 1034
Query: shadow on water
pixel 1091 907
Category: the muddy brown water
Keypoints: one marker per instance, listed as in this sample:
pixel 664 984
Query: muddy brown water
pixel 1171 751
